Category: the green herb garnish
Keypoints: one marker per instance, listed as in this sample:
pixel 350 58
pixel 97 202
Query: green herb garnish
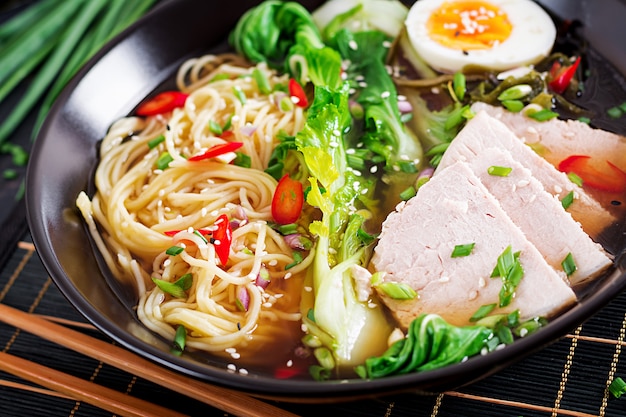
pixel 180 340
pixel 617 387
pixel 543 115
pixel 499 171
pixel 482 312
pixel 177 288
pixel 174 250
pixel 153 143
pixel 567 200
pixel 462 250
pixel 568 264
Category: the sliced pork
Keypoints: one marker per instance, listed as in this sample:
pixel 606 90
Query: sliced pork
pixel 484 131
pixel 540 216
pixel 558 139
pixel 417 240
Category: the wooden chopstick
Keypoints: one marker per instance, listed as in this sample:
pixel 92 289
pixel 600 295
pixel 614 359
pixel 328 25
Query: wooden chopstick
pixel 227 400
pixel 77 388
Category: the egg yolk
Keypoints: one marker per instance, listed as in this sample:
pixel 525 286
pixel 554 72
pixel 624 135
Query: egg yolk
pixel 468 25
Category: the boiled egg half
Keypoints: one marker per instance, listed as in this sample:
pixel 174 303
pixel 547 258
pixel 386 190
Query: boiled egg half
pixel 451 35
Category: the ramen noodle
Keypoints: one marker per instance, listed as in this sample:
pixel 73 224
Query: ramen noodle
pixel 139 211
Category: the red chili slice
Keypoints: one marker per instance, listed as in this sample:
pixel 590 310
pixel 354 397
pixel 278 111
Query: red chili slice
pixel 296 90
pixel 217 150
pixel 561 76
pixel 203 232
pixel 287 201
pixel 162 103
pixel 222 238
pixel 594 174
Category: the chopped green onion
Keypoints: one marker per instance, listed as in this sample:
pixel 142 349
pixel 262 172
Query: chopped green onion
pixel 482 312
pixel 458 83
pixel 311 340
pixel 623 107
pixel 617 387
pixel 215 128
pixel 228 124
pixel 319 373
pixel 509 269
pixel 262 81
pixel 456 117
pixel 164 161
pixel 219 77
pixel 516 92
pixel 514 106
pixel 241 96
pixel 9 174
pixel 407 167
pixel 614 112
pixel 242 160
pixel 324 357
pixel 176 289
pixel 543 115
pixel 406 117
pixel 575 179
pixel 397 290
pixel 297 258
pixel 408 193
pixel 197 233
pixel 568 264
pixel 153 143
pixel 174 250
pixel 365 237
pixel 567 200
pixel 285 104
pixel 287 229
pixel 180 339
pixel 311 316
pixel 462 250
pixel 584 119
pixel 499 171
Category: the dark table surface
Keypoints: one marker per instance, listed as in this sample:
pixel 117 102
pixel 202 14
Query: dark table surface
pixel 568 378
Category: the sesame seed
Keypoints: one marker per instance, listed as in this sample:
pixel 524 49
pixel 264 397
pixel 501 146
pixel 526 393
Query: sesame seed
pixel 287 275
pixel 385 94
pixel 230 350
pixel 267 305
pixel 231 367
pixel 353 45
pixel 308 289
pixel 374 169
pixel 289 363
pixel 243 371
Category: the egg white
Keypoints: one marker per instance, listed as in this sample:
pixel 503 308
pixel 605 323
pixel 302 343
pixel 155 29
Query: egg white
pixel 531 39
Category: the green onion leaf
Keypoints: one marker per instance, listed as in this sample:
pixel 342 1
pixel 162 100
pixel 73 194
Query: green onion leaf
pixel 153 143
pixel 397 291
pixel 175 289
pixel 567 200
pixel 614 112
pixel 219 77
pixel 617 387
pixel 215 128
pixel 228 124
pixel 499 171
pixel 510 270
pixel 482 312
pixel 324 357
pixel 408 193
pixel 287 229
pixel 458 83
pixel 543 115
pixel 462 250
pixel 197 233
pixel 174 250
pixel 180 339
pixel 262 81
pixel 242 160
pixel 514 106
pixel 164 161
pixel 584 119
pixel 297 258
pixel 568 264
pixel 516 92
pixel 241 96
pixel 575 179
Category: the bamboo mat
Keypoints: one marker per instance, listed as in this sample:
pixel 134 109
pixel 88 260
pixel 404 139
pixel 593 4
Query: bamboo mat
pixel 568 378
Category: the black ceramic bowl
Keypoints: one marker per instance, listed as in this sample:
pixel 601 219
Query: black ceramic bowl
pixel 136 63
